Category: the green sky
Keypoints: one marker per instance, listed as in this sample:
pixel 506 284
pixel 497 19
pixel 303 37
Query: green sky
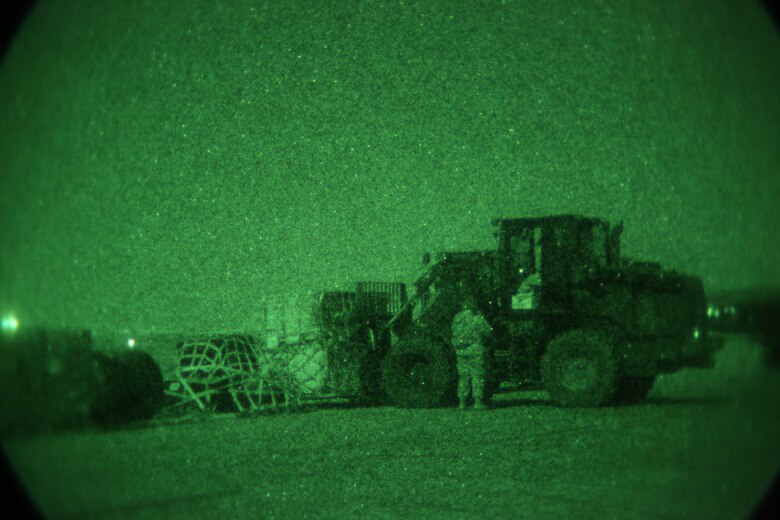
pixel 165 164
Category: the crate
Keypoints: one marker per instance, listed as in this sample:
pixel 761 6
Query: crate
pixel 384 299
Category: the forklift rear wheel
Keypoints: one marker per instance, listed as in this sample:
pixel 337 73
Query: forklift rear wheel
pixel 579 368
pixel 419 372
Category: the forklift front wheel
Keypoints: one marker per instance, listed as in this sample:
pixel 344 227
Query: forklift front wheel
pixel 579 368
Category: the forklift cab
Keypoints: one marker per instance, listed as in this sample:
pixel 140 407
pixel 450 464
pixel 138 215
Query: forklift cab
pixel 540 260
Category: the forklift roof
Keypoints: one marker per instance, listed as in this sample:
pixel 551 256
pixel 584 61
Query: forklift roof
pixel 554 220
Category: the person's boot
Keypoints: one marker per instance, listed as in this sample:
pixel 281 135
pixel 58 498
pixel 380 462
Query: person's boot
pixel 462 405
pixel 480 405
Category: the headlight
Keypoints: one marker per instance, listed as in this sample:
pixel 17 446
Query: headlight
pixel 696 333
pixel 9 324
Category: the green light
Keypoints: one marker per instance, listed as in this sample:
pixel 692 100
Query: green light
pixel 10 324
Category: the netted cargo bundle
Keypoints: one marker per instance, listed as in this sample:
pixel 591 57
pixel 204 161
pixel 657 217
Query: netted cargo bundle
pixel 235 367
pixel 334 339
pixel 293 339
pixel 331 343
pixel 303 358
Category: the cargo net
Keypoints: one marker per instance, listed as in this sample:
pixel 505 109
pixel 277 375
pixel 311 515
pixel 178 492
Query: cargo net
pixel 355 337
pixel 293 338
pixel 237 372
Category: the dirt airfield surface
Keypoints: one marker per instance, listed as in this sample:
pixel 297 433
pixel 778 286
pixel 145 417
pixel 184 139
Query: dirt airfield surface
pixel 705 444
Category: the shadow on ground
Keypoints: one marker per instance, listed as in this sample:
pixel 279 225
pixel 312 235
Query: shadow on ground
pixel 512 402
pixel 684 401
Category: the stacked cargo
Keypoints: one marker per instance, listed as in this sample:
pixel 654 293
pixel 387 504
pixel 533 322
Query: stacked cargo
pixel 279 365
pixel 293 341
pixel 326 344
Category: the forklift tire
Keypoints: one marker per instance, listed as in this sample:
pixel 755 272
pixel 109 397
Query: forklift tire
pixel 420 372
pixel 632 389
pixel 492 385
pixel 579 368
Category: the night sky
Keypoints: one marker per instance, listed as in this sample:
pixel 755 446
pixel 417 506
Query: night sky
pixel 165 164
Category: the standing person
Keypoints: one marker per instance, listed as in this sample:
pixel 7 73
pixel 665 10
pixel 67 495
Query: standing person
pixel 469 329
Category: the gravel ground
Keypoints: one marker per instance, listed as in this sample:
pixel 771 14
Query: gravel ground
pixel 705 444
